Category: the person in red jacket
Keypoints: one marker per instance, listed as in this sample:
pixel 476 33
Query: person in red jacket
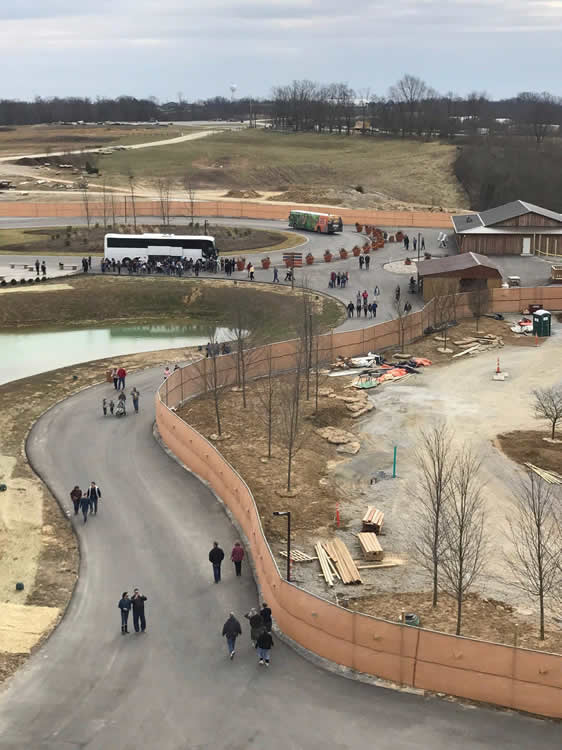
pixel 237 556
pixel 121 373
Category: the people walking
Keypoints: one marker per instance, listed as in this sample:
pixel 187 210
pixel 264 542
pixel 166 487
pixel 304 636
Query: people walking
pixel 121 373
pixel 361 261
pixel 231 630
pixel 93 495
pixel 37 266
pixel 115 377
pixel 275 276
pixel 135 396
pixel 376 291
pixel 125 607
pixel 265 613
pixel 256 625
pixel 137 602
pixel 367 262
pixel 44 268
pixel 104 406
pixel 76 496
pixel 216 556
pixel 374 309
pixel 350 310
pixel 264 644
pixel 111 407
pixel 85 507
pixel 237 555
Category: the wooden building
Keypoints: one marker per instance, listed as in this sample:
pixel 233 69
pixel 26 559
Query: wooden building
pixel 458 273
pixel 516 228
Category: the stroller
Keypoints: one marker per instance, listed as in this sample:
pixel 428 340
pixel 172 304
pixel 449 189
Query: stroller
pixel 120 409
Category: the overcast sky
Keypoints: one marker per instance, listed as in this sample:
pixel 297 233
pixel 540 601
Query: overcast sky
pixel 198 47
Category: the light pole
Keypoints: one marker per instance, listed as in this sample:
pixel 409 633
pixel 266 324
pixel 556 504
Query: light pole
pixel 418 265
pixel 288 514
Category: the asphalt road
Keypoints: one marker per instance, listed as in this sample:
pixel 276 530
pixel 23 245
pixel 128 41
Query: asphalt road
pixel 174 687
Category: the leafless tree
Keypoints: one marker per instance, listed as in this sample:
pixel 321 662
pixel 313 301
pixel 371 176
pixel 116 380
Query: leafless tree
pixel 113 219
pixel 463 529
pixel 434 459
pixel 307 333
pixel 266 392
pixel 444 306
pixel 214 378
pixel 83 187
pixel 104 198
pixel 247 336
pixel 479 303
pixel 131 178
pixel 535 533
pixel 189 187
pixel 548 406
pixel 401 317
pixel 289 409
pixel 163 185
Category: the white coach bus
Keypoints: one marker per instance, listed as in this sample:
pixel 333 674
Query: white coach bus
pixel 127 247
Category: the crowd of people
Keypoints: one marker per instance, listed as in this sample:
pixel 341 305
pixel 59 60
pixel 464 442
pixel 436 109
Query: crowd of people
pixel 87 501
pixel 362 303
pixel 168 266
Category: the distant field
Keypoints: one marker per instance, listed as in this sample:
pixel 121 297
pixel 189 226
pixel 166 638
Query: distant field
pixel 404 170
pixel 31 139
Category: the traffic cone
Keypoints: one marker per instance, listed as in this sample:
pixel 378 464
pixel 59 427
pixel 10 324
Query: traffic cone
pixel 498 367
pixel 338 515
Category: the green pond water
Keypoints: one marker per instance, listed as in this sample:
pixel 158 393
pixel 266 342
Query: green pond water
pixel 24 354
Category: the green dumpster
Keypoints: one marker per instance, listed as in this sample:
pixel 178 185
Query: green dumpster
pixel 541 323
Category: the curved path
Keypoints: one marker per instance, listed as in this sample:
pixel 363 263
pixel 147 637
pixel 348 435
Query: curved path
pixel 174 688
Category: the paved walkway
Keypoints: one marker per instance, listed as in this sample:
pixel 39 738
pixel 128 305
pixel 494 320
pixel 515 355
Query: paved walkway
pixel 174 688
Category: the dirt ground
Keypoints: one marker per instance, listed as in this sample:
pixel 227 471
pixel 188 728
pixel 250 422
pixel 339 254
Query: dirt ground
pixel 37 543
pixel 529 446
pixel 487 619
pixel 475 407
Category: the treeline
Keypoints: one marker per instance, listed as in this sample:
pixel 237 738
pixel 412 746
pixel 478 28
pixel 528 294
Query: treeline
pixel 74 109
pixel 498 170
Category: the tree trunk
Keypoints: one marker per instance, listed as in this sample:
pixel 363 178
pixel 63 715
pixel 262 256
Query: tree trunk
pixel 541 608
pixel 289 469
pixel 434 599
pixel 459 612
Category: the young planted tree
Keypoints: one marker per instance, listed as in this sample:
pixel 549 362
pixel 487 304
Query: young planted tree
pixel 434 459
pixel 401 316
pixel 444 308
pixel 463 529
pixel 266 392
pixel 83 187
pixel 536 537
pixel 479 303
pixel 131 178
pixel 189 187
pixel 289 409
pixel 548 406
pixel 104 198
pixel 163 185
pixel 214 377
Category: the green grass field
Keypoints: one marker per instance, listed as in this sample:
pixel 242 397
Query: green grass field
pixel 406 170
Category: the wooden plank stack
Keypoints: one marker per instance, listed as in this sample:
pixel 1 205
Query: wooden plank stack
pixel 328 570
pixel 345 566
pixel 550 477
pixel 371 547
pixel 373 520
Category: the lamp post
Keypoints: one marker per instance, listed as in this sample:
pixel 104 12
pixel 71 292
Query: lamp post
pixel 418 265
pixel 288 514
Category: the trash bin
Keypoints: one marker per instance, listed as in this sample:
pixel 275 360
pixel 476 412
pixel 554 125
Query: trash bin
pixel 541 323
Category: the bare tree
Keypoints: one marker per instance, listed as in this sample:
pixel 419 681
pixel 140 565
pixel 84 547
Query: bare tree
pixel 83 187
pixel 444 306
pixel 214 378
pixel 434 459
pixel 401 316
pixel 131 178
pixel 463 529
pixel 104 198
pixel 163 185
pixel 289 410
pixel 534 530
pixel 479 303
pixel 548 406
pixel 266 391
pixel 113 218
pixel 190 193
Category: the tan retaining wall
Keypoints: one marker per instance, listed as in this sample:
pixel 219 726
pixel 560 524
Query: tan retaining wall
pixel 512 677
pixel 229 209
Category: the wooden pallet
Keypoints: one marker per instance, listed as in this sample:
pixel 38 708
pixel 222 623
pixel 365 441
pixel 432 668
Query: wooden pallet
pixel 345 566
pixel 373 520
pixel 550 477
pixel 298 556
pixel 372 550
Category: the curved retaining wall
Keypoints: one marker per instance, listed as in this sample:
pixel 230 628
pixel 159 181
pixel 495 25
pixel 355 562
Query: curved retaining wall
pixel 512 677
pixel 229 209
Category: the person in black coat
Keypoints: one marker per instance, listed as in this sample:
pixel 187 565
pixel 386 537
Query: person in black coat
pixel 264 645
pixel 93 494
pixel 216 556
pixel 231 630
pixel 125 607
pixel 137 602
pixel 266 617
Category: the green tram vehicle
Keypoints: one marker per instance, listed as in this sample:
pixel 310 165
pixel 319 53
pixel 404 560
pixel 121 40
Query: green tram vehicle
pixel 314 222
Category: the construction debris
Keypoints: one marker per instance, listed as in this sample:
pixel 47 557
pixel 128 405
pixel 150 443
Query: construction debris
pixel 336 436
pixel 345 566
pixel 328 570
pixel 373 520
pixel 372 550
pixel 550 477
pixel 298 557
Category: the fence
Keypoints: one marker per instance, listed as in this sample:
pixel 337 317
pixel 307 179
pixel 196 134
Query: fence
pixel 122 207
pixel 503 675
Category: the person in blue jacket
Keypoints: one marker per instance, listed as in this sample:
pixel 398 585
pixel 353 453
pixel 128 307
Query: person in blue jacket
pixel 125 607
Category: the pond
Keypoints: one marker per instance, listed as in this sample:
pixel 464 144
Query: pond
pixel 23 354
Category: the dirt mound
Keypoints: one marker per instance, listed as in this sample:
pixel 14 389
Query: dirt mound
pixel 307 195
pixel 247 194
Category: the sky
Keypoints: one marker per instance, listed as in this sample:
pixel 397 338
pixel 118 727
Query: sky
pixel 162 48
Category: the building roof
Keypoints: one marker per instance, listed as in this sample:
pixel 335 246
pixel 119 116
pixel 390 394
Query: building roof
pixel 455 264
pixel 468 222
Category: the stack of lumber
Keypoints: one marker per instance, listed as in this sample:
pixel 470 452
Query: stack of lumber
pixel 345 566
pixel 373 520
pixel 298 556
pixel 328 570
pixel 550 477
pixel 371 547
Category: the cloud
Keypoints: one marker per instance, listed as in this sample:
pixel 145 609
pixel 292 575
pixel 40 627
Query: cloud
pixel 270 41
